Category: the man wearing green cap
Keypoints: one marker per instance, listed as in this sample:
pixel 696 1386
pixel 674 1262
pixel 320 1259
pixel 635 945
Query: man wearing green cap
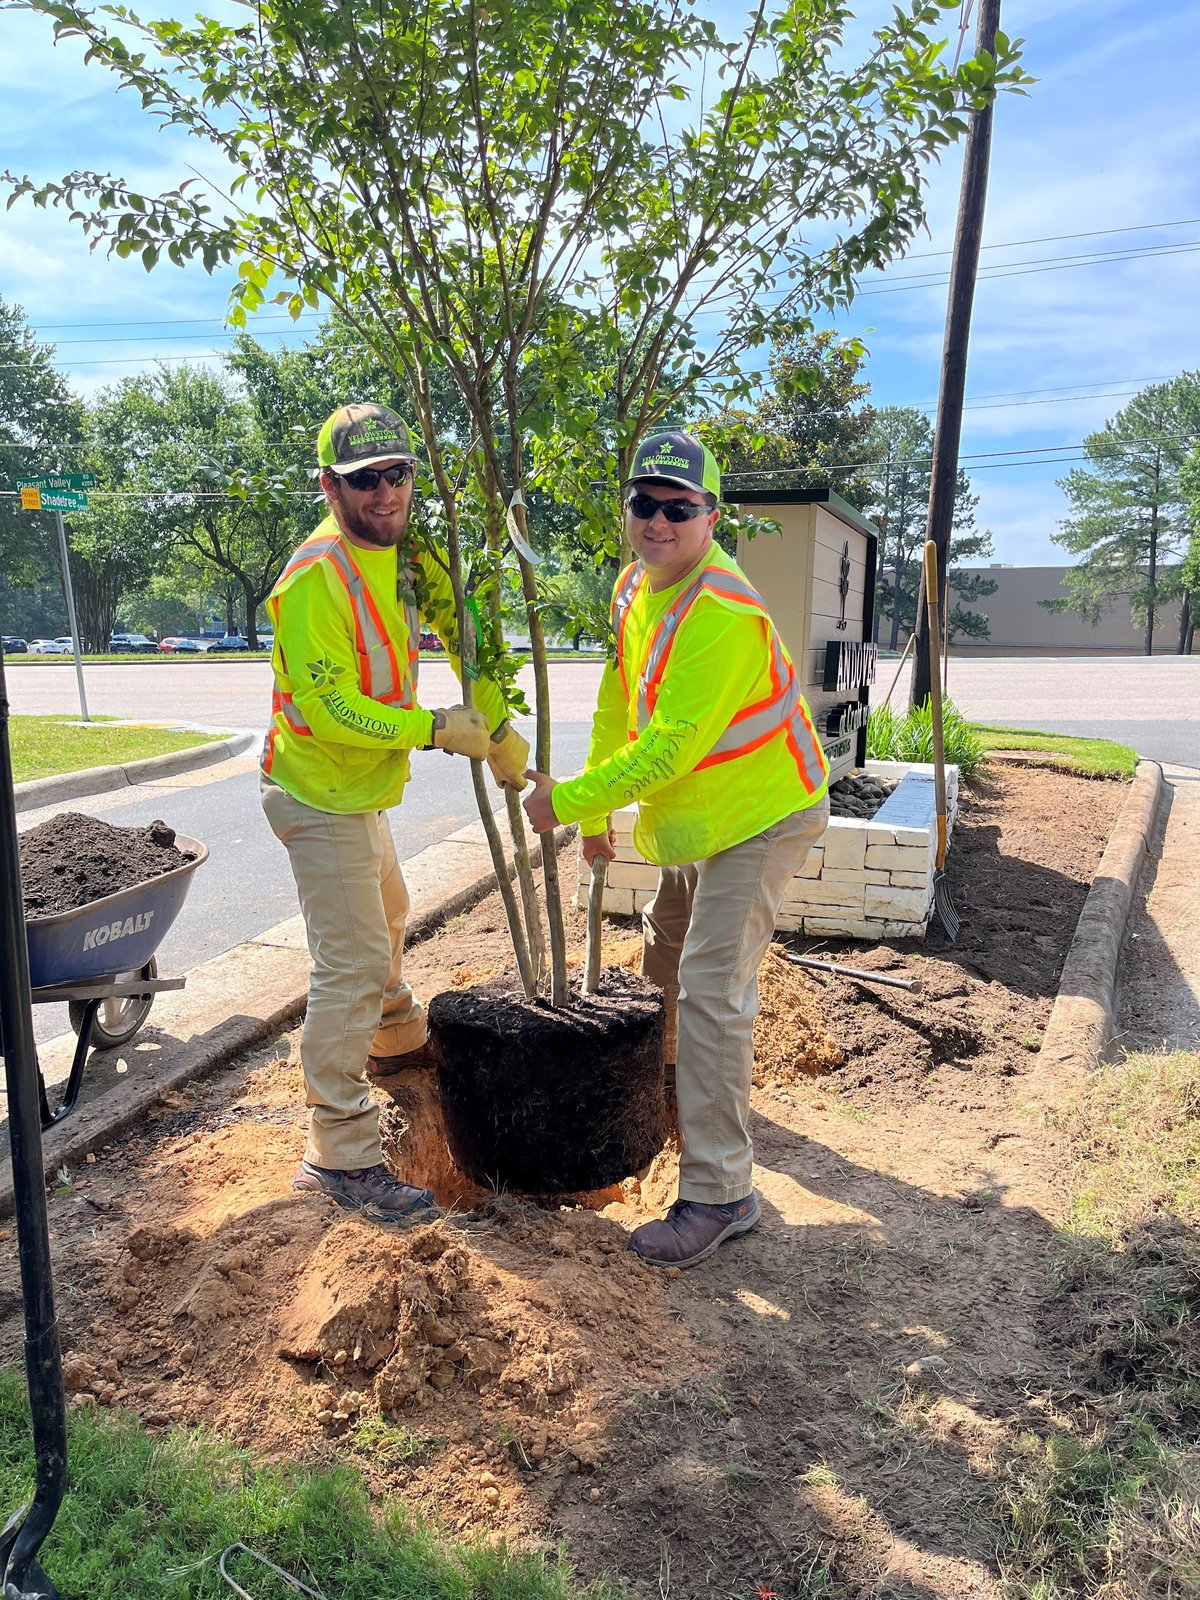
pixel 347 611
pixel 701 722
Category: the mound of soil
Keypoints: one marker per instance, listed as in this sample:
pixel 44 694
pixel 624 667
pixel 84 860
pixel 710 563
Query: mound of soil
pixel 841 1389
pixel 72 860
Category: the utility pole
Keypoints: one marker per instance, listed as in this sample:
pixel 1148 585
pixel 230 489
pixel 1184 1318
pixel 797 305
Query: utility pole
pixel 963 268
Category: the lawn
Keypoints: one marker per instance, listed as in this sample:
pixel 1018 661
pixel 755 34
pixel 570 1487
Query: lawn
pixel 43 747
pixel 1098 758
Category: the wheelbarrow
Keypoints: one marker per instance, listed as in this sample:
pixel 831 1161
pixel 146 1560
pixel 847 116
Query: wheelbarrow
pixel 100 959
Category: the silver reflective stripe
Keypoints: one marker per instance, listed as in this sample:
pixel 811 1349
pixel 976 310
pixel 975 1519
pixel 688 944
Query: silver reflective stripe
pixel 381 680
pixel 293 714
pixel 770 719
pixel 623 598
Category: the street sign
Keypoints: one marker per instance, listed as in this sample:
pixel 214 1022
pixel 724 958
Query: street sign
pixel 31 499
pixel 57 500
pixel 62 481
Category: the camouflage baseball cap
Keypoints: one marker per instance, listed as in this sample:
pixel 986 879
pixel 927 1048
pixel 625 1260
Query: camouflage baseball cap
pixel 361 436
pixel 677 458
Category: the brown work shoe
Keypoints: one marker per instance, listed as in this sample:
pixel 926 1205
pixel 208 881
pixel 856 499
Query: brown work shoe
pixel 422 1058
pixel 691 1231
pixel 375 1191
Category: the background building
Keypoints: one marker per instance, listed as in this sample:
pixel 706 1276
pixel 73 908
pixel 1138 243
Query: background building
pixel 1019 625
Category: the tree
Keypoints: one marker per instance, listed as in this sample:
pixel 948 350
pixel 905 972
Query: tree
pixel 810 427
pixel 1189 577
pixel 186 451
pixel 900 443
pixel 453 178
pixel 41 430
pixel 1129 516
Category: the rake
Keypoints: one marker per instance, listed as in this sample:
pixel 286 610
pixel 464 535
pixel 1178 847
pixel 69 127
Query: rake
pixel 942 904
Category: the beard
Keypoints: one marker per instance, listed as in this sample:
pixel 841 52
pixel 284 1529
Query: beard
pixel 372 530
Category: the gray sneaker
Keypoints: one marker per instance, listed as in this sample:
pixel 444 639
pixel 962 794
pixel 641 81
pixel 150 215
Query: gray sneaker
pixel 373 1190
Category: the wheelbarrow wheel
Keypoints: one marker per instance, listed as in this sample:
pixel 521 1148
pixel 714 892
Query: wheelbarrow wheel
pixel 117 1020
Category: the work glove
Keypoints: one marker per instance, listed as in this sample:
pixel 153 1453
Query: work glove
pixel 508 756
pixel 462 731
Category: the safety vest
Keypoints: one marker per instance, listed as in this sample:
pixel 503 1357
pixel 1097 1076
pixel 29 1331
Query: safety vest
pixel 380 673
pixel 754 723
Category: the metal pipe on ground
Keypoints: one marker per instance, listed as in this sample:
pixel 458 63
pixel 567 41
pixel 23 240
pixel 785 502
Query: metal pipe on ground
pixel 859 974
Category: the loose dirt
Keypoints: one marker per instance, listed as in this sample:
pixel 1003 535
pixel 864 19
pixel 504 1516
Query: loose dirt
pixel 842 1387
pixel 71 860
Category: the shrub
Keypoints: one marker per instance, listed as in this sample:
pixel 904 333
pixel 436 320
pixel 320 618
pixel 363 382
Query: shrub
pixel 892 737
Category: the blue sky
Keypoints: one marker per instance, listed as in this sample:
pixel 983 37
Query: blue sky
pixel 1106 140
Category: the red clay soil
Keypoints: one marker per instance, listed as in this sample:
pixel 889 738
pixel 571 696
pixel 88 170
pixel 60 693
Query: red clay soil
pixel 842 1386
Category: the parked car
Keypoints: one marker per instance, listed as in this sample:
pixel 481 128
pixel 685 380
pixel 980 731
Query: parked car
pixel 430 640
pixel 230 641
pixel 10 645
pixel 49 647
pixel 136 644
pixel 180 647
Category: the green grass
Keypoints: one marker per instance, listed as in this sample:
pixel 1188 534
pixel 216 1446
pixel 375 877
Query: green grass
pixel 45 746
pixel 149 1518
pixel 1099 758
pixel 1107 1503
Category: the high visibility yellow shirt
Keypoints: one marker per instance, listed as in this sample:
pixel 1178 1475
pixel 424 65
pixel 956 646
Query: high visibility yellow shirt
pixel 720 663
pixel 356 756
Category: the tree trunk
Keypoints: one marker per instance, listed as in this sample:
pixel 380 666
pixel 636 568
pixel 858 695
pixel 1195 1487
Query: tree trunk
pixel 251 600
pixel 1185 614
pixel 1152 575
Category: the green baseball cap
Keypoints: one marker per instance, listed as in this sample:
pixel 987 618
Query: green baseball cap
pixel 676 458
pixel 361 436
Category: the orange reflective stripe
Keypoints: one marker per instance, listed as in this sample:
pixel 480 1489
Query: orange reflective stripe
pixel 753 725
pixel 628 585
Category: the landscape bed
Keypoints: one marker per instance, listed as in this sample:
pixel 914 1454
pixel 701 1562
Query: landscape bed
pixel 828 1408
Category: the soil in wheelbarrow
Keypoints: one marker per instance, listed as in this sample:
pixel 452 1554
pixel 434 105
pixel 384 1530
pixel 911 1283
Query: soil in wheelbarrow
pixel 546 1102
pixel 72 860
pixel 846 1387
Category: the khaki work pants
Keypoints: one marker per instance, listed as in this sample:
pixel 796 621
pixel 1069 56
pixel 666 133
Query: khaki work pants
pixel 355 907
pixel 704 935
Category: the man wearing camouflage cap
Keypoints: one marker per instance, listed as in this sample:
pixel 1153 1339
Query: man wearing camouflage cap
pixel 701 722
pixel 347 611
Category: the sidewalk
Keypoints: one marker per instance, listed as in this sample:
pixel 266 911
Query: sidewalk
pixel 1160 964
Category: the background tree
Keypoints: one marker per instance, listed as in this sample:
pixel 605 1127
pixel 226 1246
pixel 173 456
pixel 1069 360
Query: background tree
pixel 810 428
pixel 899 441
pixel 1189 601
pixel 453 178
pixel 41 430
pixel 1129 521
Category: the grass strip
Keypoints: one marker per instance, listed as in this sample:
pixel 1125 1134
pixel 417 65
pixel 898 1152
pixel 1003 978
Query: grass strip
pixel 1098 758
pixel 43 747
pixel 1107 1503
pixel 149 1518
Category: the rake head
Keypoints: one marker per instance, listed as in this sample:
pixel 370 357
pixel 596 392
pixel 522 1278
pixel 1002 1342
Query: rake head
pixel 944 906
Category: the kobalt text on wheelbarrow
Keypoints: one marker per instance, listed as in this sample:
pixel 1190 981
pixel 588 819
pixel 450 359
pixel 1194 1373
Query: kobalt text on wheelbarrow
pixel 100 959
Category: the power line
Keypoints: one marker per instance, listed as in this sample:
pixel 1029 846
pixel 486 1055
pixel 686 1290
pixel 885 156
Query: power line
pixel 920 255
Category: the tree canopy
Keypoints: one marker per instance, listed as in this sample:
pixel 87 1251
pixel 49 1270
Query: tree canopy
pixel 1129 521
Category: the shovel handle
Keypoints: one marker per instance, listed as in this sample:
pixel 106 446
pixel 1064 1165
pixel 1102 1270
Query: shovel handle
pixel 591 960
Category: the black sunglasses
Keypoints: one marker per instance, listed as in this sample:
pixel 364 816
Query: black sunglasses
pixel 367 478
pixel 644 506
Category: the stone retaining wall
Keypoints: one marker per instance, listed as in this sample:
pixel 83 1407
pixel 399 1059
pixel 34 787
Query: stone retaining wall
pixel 869 878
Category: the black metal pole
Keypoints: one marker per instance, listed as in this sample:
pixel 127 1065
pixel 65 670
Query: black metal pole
pixel 22 1539
pixel 963 268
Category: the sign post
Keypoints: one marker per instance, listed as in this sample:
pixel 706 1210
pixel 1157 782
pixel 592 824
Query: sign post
pixel 59 492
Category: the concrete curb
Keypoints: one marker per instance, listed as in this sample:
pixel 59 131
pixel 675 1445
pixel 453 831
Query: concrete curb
pixel 1081 1023
pixel 99 780
pixel 237 1000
